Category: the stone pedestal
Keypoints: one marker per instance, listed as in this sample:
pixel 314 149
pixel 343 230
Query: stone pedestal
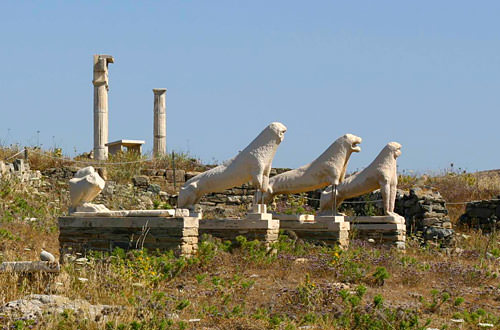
pixel 259 212
pixel 228 229
pixel 331 230
pixel 294 217
pixel 132 230
pixel 160 122
pixel 101 87
pixel 382 229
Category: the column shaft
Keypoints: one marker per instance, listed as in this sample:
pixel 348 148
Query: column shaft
pixel 160 123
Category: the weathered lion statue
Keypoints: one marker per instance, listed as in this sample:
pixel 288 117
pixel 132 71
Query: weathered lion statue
pixel 83 188
pixel 328 168
pixel 252 164
pixel 380 174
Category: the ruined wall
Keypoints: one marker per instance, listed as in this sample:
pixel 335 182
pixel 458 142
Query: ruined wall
pixel 482 215
pixel 21 171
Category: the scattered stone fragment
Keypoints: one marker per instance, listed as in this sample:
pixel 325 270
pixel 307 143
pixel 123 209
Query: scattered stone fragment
pixel 34 306
pixel 47 256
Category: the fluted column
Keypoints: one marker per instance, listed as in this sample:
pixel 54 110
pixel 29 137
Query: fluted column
pixel 160 122
pixel 101 87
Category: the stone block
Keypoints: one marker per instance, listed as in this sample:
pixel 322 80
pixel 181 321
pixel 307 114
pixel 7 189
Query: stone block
pixel 330 231
pixel 129 232
pixel 180 176
pixel 140 180
pixel 376 219
pixel 19 165
pixel 294 217
pixel 228 229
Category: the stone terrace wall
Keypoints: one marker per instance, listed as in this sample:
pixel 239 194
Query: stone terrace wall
pixel 481 215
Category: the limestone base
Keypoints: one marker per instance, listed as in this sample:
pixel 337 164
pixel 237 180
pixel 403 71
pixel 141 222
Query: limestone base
pixel 294 217
pixel 104 233
pixel 259 212
pixel 331 230
pixel 382 229
pixel 228 229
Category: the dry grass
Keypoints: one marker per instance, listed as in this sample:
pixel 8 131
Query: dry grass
pixel 244 287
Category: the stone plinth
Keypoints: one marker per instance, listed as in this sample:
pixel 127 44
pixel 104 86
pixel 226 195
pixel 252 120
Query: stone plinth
pixel 228 229
pixel 259 212
pixel 331 230
pixel 382 229
pixel 104 233
pixel 294 217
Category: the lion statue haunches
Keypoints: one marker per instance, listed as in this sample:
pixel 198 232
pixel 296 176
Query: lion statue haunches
pixel 328 168
pixel 380 174
pixel 252 164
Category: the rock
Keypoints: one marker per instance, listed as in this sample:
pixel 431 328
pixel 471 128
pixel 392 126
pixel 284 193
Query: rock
pixel 19 165
pixel 34 306
pixel 154 188
pixel 140 180
pixel 47 256
pixel 300 260
pixel 81 261
pixel 433 233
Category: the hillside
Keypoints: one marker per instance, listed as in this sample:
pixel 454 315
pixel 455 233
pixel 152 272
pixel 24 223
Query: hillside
pixel 242 285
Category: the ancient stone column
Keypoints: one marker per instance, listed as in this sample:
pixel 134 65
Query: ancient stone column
pixel 101 87
pixel 160 123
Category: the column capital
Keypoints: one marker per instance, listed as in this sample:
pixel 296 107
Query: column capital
pixel 159 91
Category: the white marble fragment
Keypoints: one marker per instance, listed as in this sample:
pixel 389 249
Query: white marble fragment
pixel 47 256
pixel 83 188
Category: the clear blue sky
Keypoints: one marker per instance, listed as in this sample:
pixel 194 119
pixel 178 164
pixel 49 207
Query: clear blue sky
pixel 423 73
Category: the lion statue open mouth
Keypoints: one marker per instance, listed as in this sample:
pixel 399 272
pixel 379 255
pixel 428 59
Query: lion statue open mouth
pixel 252 164
pixel 328 168
pixel 380 174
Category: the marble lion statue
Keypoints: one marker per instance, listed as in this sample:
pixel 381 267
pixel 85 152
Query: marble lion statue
pixel 380 174
pixel 252 164
pixel 328 168
pixel 83 188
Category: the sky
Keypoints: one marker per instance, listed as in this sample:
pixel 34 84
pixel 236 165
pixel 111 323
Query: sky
pixel 423 73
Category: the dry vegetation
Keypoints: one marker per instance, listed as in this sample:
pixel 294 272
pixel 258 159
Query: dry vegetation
pixel 243 286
